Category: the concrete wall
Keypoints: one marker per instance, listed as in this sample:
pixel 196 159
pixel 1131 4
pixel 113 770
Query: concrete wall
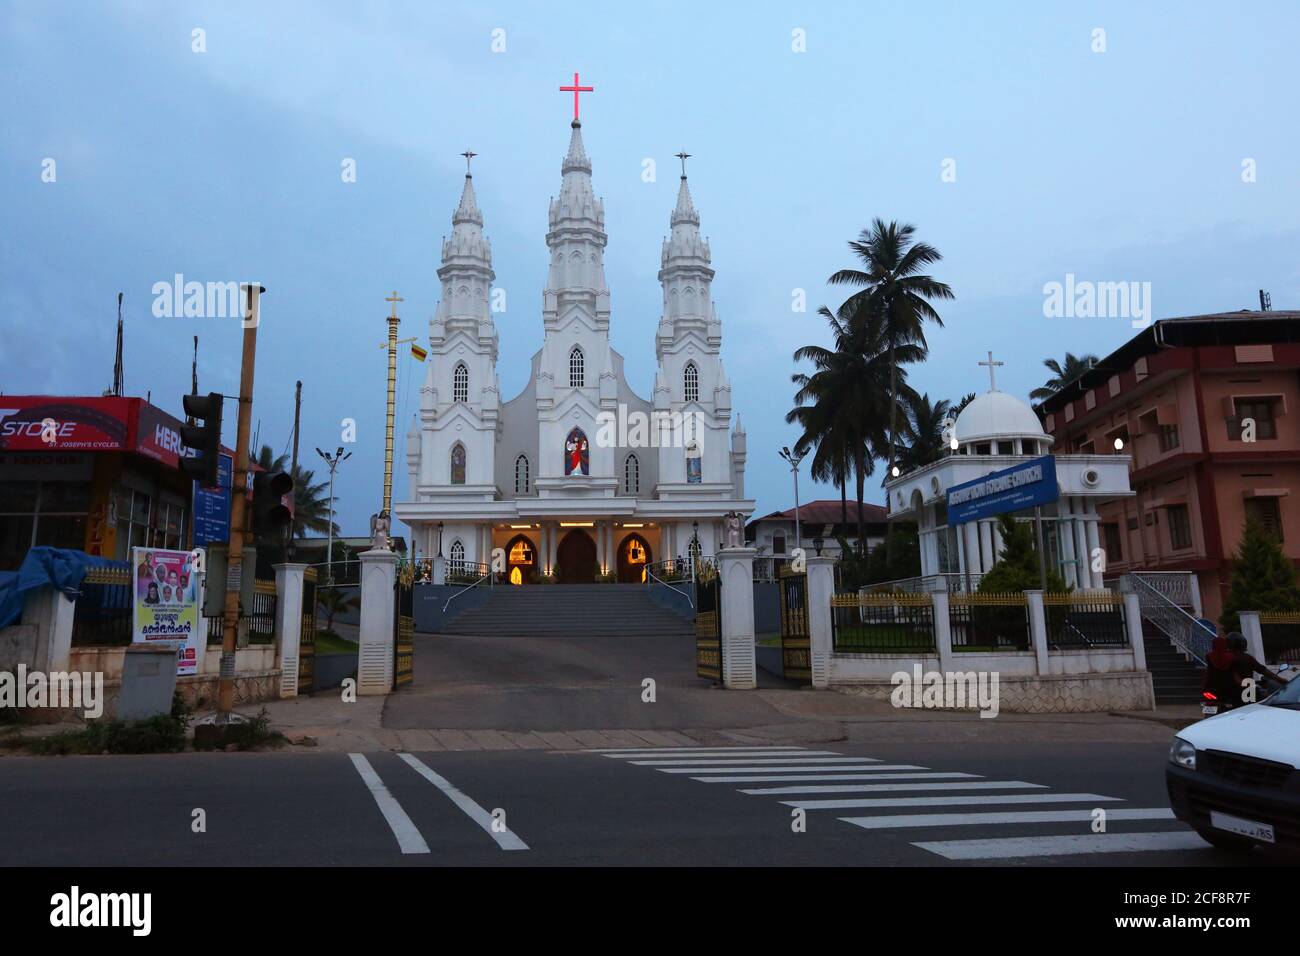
pixel 672 600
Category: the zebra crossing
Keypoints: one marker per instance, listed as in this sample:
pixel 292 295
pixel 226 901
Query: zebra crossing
pixel 874 795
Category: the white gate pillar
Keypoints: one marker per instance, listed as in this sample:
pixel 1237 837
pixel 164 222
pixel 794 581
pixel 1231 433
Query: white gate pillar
pixel 52 612
pixel 375 656
pixel 821 588
pixel 289 579
pixel 1253 634
pixel 1133 622
pixel 1038 629
pixel 736 576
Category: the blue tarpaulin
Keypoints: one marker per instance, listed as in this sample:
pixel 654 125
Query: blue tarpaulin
pixel 62 568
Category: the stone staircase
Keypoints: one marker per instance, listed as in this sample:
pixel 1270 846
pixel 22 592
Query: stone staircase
pixel 570 610
pixel 1175 679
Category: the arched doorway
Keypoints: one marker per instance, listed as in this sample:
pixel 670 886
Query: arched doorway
pixel 575 558
pixel 633 556
pixel 521 560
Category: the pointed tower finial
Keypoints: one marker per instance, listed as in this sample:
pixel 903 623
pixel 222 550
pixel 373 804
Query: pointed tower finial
pixel 468 154
pixel 683 156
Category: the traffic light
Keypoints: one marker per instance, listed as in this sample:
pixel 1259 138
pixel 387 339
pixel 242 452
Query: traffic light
pixel 270 513
pixel 204 440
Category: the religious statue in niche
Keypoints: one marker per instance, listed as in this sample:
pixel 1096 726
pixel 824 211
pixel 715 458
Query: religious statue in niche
pixel 693 462
pixel 458 465
pixel 577 453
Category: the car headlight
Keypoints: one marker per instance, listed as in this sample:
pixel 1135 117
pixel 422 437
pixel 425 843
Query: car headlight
pixel 1182 753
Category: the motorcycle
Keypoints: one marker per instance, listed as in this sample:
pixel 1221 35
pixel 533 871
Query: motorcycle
pixel 1211 704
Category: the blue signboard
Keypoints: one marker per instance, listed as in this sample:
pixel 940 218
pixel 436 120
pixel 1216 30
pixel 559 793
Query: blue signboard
pixel 1011 489
pixel 212 507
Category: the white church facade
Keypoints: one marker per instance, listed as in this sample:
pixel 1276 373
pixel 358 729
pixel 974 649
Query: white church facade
pixel 577 476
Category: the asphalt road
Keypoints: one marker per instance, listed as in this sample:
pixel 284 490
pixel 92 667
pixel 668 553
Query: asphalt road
pixel 582 808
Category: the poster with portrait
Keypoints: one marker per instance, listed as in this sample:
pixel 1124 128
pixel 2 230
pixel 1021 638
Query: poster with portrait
pixel 166 604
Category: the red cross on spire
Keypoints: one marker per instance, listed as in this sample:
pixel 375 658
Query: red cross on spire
pixel 575 89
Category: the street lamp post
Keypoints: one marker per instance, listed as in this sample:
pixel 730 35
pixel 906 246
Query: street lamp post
pixel 794 458
pixel 332 461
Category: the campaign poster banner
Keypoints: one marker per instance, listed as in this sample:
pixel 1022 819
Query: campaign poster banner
pixel 1010 489
pixel 167 604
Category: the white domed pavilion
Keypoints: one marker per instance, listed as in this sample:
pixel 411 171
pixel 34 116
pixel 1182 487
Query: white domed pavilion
pixel 1000 460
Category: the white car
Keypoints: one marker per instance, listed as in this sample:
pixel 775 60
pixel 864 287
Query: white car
pixel 1235 778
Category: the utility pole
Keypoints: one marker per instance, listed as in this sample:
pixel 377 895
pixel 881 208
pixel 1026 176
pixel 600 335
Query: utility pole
pixel 238 503
pixel 293 465
pixel 794 458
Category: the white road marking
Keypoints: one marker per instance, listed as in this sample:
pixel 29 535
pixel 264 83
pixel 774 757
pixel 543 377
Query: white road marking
pixel 1073 844
pixel 505 839
pixel 408 836
pixel 896 821
pixel 685 750
pixel 777 771
pixel 804 778
pixel 794 761
pixel 715 754
pixel 888 787
pixel 953 801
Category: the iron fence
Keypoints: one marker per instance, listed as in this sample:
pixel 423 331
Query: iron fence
pixel 1281 634
pixel 256 623
pixel 1085 619
pixel 898 623
pixel 989 622
pixel 103 613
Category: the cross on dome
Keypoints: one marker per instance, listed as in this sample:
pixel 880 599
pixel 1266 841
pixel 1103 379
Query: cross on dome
pixel 993 385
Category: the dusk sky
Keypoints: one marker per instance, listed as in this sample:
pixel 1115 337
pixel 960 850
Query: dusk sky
pixel 1117 166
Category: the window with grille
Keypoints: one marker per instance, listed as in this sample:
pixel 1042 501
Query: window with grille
pixel 457 556
pixel 1259 410
pixel 1268 512
pixel 692 382
pixel 521 475
pixel 1169 439
pixel 460 384
pixel 631 476
pixel 1180 527
pixel 577 375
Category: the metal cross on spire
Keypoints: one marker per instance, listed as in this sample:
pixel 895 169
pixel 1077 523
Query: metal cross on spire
pixel 993 385
pixel 683 156
pixel 575 89
pixel 468 154
pixel 394 298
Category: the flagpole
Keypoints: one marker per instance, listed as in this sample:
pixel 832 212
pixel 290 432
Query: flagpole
pixel 393 322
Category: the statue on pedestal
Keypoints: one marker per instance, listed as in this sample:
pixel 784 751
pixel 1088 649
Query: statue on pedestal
pixel 379 525
pixel 735 529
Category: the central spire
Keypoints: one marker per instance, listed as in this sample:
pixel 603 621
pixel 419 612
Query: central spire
pixel 576 159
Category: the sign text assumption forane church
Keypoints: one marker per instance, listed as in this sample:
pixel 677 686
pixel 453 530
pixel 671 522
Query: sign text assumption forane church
pixel 577 452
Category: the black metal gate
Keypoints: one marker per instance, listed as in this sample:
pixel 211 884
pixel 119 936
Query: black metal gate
pixel 404 628
pixel 307 638
pixel 796 646
pixel 708 625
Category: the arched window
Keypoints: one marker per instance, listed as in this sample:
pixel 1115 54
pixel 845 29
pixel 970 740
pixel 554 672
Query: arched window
pixel 457 557
pixel 460 384
pixel 692 382
pixel 631 476
pixel 577 376
pixel 694 463
pixel 458 464
pixel 521 475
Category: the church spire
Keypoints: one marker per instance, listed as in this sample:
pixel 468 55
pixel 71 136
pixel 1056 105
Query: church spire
pixel 467 211
pixel 686 274
pixel 576 159
pixel 466 270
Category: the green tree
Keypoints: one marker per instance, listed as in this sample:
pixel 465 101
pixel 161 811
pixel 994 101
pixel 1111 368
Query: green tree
pixel 894 294
pixel 842 406
pixel 1263 577
pixel 927 425
pixel 1063 373
pixel 1016 568
pixel 335 601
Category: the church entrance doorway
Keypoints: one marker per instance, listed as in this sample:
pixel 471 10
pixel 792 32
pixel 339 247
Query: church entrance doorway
pixel 633 556
pixel 521 560
pixel 575 558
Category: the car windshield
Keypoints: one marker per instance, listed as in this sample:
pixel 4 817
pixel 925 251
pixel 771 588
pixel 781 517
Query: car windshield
pixel 1288 696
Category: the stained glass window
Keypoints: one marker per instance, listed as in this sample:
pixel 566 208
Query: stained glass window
pixel 458 464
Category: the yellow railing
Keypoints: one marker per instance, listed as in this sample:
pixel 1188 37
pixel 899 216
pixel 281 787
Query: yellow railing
pixel 989 599
pixel 896 599
pixel 1093 598
pixel 1279 617
pixel 101 575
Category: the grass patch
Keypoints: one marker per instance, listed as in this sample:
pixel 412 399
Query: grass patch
pixel 327 642
pixel 160 734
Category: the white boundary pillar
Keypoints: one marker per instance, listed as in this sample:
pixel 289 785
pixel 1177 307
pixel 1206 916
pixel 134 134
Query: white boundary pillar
pixel 736 571
pixel 1038 628
pixel 1253 634
pixel 375 656
pixel 821 588
pixel 942 623
pixel 52 612
pixel 289 579
pixel 1133 622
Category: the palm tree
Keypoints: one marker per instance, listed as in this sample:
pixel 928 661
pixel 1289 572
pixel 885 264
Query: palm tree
pixel 959 406
pixel 1063 374
pixel 895 294
pixel 843 404
pixel 926 439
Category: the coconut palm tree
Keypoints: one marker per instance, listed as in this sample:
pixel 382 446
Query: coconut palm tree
pixel 843 405
pixel 1063 374
pixel 926 439
pixel 896 294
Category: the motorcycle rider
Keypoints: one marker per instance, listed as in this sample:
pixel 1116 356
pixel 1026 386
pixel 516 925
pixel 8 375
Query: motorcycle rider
pixel 1245 666
pixel 1221 678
